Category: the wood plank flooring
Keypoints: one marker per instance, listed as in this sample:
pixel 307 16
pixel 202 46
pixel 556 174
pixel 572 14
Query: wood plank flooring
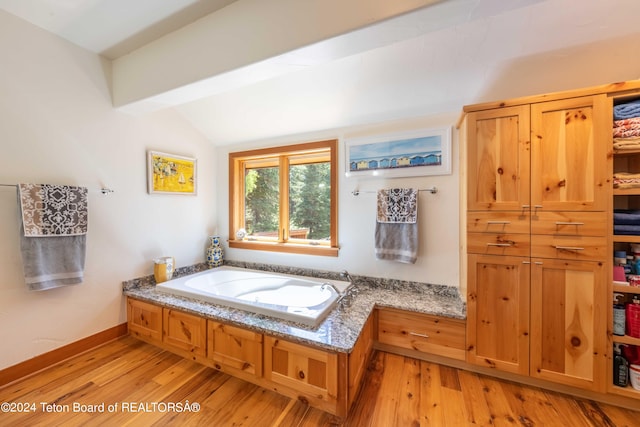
pixel 138 383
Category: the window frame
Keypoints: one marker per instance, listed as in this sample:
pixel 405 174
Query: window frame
pixel 283 156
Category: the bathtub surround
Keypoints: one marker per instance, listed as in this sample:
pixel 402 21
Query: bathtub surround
pixel 298 299
pixel 342 326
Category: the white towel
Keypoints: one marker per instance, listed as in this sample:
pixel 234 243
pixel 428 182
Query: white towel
pixel 52 234
pixel 396 235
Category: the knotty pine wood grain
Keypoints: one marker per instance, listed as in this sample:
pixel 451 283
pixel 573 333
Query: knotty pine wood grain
pixel 396 391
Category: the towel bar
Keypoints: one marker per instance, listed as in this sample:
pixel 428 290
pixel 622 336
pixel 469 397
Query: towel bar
pixel 102 190
pixel 432 190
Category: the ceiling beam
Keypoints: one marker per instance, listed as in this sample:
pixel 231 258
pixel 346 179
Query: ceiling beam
pixel 245 34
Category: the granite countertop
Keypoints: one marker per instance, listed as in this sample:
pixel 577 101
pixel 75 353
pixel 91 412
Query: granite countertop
pixel 341 328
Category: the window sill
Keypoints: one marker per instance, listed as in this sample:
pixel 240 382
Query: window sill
pixel 291 248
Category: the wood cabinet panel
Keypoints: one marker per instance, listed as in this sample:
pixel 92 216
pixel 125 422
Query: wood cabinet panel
pixel 569 163
pixel 312 373
pixel 498 312
pixel 422 332
pixel 568 334
pixel 498 159
pixel 359 358
pixel 144 320
pixel 498 244
pixel 498 222
pixel 569 247
pixel 234 350
pixel 569 223
pixel 184 331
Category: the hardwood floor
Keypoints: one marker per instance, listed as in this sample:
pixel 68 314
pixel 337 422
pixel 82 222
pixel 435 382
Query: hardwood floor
pixel 138 384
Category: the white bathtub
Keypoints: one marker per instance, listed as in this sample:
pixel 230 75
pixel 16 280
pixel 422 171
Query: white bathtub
pixel 305 300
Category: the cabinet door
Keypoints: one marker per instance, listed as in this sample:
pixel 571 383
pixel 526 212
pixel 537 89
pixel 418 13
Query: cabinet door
pixel 234 350
pixel 498 159
pixel 569 162
pixel 310 371
pixel 145 320
pixel 184 332
pixel 498 312
pixel 568 331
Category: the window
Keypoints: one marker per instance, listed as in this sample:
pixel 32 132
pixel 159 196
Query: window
pixel 285 199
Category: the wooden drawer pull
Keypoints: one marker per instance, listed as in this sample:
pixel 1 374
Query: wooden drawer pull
pixel 419 335
pixel 569 248
pixel 569 223
pixel 500 245
pixel 498 222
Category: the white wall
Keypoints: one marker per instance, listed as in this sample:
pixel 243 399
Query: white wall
pixel 438 254
pixel 57 125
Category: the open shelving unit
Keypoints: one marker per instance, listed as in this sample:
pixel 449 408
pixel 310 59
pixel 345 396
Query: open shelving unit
pixel 627 198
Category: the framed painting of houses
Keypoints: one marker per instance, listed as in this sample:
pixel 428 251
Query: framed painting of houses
pixel 171 174
pixel 410 153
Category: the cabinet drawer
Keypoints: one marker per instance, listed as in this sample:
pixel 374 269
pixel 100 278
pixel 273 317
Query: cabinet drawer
pixel 422 332
pixel 498 222
pixel 569 247
pixel 498 244
pixel 569 223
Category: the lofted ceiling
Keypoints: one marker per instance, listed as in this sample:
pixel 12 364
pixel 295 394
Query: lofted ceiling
pixel 432 60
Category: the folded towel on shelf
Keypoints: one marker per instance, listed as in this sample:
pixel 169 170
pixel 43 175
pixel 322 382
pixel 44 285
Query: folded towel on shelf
pixel 627 230
pixel 626 180
pixel 53 231
pixel 631 143
pixel 626 122
pixel 396 234
pixel 627 110
pixel 626 217
pixel 630 131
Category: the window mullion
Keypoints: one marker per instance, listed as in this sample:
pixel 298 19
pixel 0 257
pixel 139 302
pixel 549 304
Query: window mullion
pixel 283 232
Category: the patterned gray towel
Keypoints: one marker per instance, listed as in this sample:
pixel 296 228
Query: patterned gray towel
pixel 398 205
pixel 53 210
pixel 396 235
pixel 52 234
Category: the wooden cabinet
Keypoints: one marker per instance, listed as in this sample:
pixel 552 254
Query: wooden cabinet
pixel 313 375
pixel 422 332
pixel 234 350
pixel 569 154
pixel 359 358
pixel 325 379
pixel 498 159
pixel 567 331
pixel 536 236
pixel 498 312
pixel 184 332
pixel 144 320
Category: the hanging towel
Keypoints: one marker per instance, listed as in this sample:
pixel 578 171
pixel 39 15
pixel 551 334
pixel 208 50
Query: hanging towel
pixel 53 231
pixel 396 235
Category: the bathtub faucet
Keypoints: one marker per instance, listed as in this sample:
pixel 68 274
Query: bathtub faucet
pixel 326 285
pixel 344 274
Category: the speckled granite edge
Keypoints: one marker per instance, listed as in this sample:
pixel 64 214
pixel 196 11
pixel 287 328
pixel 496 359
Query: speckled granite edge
pixel 342 327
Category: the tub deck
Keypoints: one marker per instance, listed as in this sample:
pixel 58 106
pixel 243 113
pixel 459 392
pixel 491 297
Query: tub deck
pixel 297 299
pixel 342 326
